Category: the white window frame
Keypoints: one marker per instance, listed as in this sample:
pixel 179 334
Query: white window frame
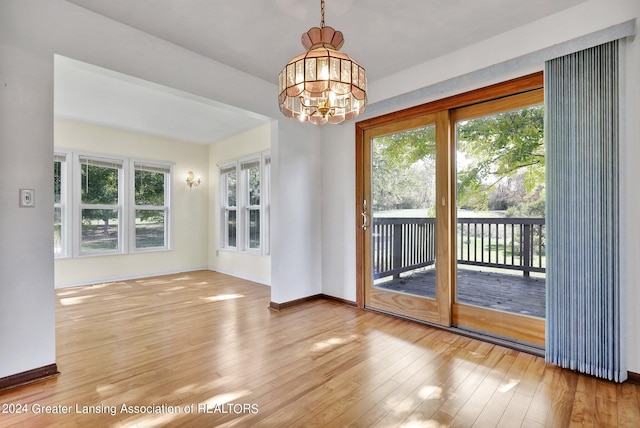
pixel 72 206
pixel 226 208
pixel 79 206
pixel 167 170
pixel 241 167
pixel 65 190
pixel 265 200
pixel 245 167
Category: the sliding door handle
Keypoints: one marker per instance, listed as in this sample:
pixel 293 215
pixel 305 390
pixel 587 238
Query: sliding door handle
pixel 365 217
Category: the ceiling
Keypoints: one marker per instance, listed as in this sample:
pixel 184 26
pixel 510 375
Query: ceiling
pixel 384 36
pixel 95 95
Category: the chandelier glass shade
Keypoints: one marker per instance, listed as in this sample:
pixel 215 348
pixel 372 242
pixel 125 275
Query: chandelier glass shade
pixel 322 85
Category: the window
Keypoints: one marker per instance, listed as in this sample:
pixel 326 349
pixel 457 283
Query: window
pixel 150 205
pixel 100 205
pixel 251 202
pixel 228 180
pixel 118 206
pixel 244 208
pixel 266 204
pixel 59 204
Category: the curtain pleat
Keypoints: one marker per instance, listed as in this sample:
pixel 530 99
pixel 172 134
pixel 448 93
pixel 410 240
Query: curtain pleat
pixel 583 285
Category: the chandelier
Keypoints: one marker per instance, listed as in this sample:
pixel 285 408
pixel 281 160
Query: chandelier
pixel 322 85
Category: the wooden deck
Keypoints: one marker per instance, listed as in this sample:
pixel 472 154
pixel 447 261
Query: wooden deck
pixel 510 292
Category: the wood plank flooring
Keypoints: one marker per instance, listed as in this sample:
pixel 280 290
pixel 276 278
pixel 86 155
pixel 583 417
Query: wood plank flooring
pixel 205 346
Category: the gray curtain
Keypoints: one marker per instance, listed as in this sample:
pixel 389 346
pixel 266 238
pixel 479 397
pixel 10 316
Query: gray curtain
pixel 584 319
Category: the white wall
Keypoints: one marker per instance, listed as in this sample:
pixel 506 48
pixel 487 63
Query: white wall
pixel 516 53
pixel 312 169
pixel 338 211
pixel 27 335
pixel 189 207
pixel 31 32
pixel 245 265
pixel 296 204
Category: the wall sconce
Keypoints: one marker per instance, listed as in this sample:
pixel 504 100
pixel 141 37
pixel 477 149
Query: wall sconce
pixel 192 180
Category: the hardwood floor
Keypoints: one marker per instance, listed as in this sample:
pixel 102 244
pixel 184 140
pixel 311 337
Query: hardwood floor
pixel 207 344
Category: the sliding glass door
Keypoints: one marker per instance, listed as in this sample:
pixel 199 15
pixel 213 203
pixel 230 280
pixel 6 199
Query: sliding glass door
pixel 451 213
pixel 500 209
pixel 400 219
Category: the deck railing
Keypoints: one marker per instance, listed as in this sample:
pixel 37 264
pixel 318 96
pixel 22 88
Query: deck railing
pixel 404 244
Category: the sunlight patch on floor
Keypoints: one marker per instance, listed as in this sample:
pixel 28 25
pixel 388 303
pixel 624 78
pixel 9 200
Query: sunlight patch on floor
pixel 430 392
pixel 189 390
pixel 104 390
pixel 332 343
pixel 226 398
pixel 415 423
pixel 176 288
pixel 68 301
pixel 222 297
pixel 507 386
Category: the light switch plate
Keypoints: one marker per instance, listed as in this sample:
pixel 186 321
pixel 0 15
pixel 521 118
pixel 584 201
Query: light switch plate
pixel 27 198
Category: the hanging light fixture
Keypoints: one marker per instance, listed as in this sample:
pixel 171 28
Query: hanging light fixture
pixel 322 85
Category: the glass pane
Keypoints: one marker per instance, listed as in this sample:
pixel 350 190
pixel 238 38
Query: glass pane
pixel 99 230
pixel 231 228
pixel 254 186
pixel 99 185
pixel 334 69
pixel 150 228
pixel 231 189
pixel 500 208
pixel 403 210
pixel 254 229
pixel 299 71
pixel 310 69
pixel 57 231
pixel 345 75
pixel 57 181
pixel 149 188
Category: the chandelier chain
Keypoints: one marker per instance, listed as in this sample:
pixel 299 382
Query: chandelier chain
pixel 322 13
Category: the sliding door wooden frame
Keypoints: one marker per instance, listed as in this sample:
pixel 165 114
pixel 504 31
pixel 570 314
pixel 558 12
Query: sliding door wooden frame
pixel 521 327
pixel 446 205
pixel 409 305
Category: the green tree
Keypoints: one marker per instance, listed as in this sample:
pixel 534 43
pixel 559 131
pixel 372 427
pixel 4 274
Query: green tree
pixel 149 190
pixel 403 165
pixel 501 163
pixel 496 148
pixel 99 186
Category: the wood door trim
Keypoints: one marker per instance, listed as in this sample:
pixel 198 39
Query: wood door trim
pixel 499 90
pixel 445 218
pixel 513 102
pixel 363 164
pixel 520 327
pixel 360 233
pixel 404 304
